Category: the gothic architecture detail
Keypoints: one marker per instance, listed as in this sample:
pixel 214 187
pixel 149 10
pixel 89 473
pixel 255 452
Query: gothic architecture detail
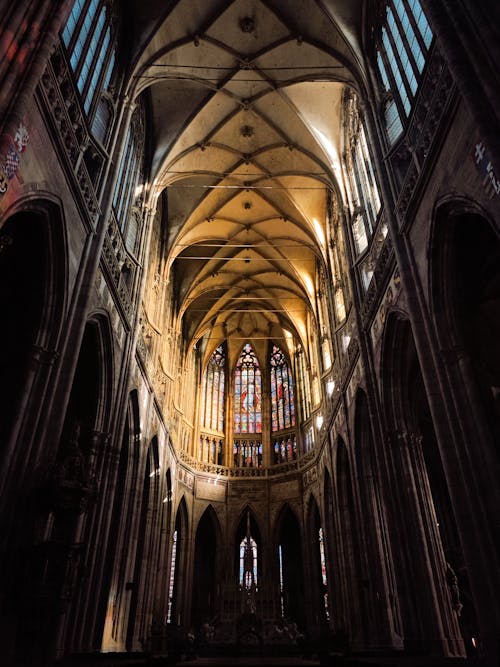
pixel 250 297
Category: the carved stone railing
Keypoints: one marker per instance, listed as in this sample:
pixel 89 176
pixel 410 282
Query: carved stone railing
pixel 435 95
pixel 60 101
pixel 290 467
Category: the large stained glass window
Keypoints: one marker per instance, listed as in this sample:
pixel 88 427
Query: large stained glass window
pixel 247 393
pixel 212 408
pixel 282 400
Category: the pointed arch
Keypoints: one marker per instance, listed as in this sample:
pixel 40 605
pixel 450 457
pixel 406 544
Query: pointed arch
pixel 33 275
pixel 248 576
pixel 120 562
pixel 318 566
pixel 289 548
pixel 213 392
pixel 205 602
pixel 422 525
pixel 247 392
pixel 177 574
pixel 282 392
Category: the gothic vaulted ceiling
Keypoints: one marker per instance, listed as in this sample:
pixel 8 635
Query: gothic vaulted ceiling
pixel 246 98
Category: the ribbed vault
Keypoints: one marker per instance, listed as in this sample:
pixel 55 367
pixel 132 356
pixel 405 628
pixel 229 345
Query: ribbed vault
pixel 246 108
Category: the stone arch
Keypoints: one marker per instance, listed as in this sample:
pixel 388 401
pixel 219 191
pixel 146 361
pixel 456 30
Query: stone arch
pixel 318 575
pixel 206 569
pixel 120 563
pixel 33 279
pixel 382 624
pixel 288 547
pixel 348 564
pixel 144 575
pixel 464 294
pixel 465 297
pixel 417 496
pixel 178 572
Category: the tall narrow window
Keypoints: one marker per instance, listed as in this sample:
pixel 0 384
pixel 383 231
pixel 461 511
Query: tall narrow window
pixel 282 398
pixel 405 40
pixel 324 579
pixel 248 562
pixel 89 43
pixel 127 188
pixel 304 385
pixel 363 191
pixel 247 393
pixel 212 409
pixel 282 590
pixel 172 578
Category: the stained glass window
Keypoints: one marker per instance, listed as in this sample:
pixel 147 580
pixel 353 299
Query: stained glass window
pixel 285 449
pixel 304 385
pixel 282 590
pixel 323 571
pixel 247 453
pixel 248 562
pixel 212 408
pixel 282 399
pixel 247 393
pixel 172 578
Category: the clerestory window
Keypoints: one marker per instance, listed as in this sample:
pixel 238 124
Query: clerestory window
pixel 88 38
pixel 404 43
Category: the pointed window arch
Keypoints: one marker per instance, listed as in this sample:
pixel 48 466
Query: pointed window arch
pixel 212 409
pixel 282 398
pixel 247 393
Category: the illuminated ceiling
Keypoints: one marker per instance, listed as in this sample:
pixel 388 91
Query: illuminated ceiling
pixel 246 99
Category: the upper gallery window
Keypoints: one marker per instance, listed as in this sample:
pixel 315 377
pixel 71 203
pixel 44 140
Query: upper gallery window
pixel 212 408
pixel 247 393
pixel 128 187
pixel 89 42
pixel 402 51
pixel 282 399
pixel 363 191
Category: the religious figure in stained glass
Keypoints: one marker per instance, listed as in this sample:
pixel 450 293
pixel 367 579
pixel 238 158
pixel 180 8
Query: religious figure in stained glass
pixel 247 393
pixel 282 398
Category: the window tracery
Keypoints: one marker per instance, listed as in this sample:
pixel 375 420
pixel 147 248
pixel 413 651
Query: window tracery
pixel 213 394
pixel 404 43
pixel 89 41
pixel 247 393
pixel 282 395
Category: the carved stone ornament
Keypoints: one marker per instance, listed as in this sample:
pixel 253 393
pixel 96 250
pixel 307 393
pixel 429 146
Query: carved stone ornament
pixel 247 24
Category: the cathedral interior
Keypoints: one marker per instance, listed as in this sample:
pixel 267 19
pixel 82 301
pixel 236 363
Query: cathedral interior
pixel 250 302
